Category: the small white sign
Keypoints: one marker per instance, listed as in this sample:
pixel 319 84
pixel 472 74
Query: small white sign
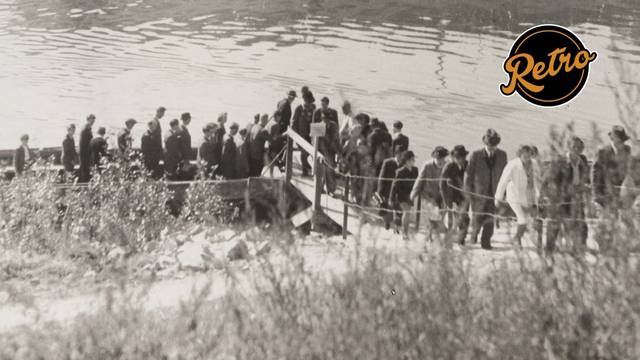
pixel 302 217
pixel 318 130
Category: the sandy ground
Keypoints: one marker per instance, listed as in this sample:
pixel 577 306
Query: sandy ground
pixel 327 256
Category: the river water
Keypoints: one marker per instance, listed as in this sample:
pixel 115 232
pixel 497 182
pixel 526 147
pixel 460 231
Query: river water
pixel 434 64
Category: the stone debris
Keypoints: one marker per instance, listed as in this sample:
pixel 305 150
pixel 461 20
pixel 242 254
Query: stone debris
pixel 263 248
pixel 116 254
pixel 192 256
pixel 202 249
pixel 224 235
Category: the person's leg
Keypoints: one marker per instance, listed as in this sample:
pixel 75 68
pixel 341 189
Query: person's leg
pixel 463 226
pixel 304 159
pixel 553 230
pixel 406 219
pixel 487 224
pixel 330 173
pixel 476 224
pixel 521 219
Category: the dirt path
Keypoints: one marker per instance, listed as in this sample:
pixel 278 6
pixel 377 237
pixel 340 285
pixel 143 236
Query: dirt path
pixel 330 256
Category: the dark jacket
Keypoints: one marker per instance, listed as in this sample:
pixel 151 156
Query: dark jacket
pixel 284 107
pixel 451 183
pixel 258 137
pixel 207 156
pixel 400 144
pixel 608 173
pixel 86 135
pixel 387 174
pixel 302 119
pixel 558 186
pixel 329 144
pixel 173 152
pixel 218 142
pixel 229 158
pixel 185 140
pixel 124 142
pixel 156 135
pixel 379 142
pixel 402 184
pixel 69 154
pixel 98 148
pixel 19 162
pixel 151 152
pixel 482 176
pixel 330 114
pixel 242 159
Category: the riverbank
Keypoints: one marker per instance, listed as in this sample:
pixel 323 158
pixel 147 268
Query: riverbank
pixel 375 297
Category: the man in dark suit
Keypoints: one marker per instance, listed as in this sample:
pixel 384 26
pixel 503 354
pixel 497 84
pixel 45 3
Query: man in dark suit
pixel 400 141
pixel 330 113
pixel 610 168
pixel 98 147
pixel 563 195
pixel 284 108
pixel 85 150
pixel 124 139
pixel 173 150
pixel 69 154
pixel 383 193
pixel 480 182
pixel 23 158
pixel 151 152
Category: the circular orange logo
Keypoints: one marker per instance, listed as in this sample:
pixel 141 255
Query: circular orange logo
pixel 548 66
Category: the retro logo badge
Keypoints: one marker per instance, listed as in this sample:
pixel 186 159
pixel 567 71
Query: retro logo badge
pixel 548 66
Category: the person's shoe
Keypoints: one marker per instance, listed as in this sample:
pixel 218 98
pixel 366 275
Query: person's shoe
pixel 488 247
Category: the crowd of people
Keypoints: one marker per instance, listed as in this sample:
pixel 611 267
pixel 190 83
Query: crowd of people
pixel 458 189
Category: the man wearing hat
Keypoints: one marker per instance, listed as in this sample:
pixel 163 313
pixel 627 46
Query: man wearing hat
pixel 480 182
pixel 284 108
pixel 453 198
pixel 124 139
pixel 610 168
pixel 428 187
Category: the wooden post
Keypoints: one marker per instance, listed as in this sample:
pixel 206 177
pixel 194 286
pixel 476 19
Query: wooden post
pixel 317 130
pixel 288 172
pixel 419 207
pixel 317 183
pixel 345 211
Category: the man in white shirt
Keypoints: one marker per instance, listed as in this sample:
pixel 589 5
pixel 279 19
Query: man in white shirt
pixel 346 121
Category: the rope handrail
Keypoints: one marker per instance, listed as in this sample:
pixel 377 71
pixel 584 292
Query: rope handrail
pixel 494 215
